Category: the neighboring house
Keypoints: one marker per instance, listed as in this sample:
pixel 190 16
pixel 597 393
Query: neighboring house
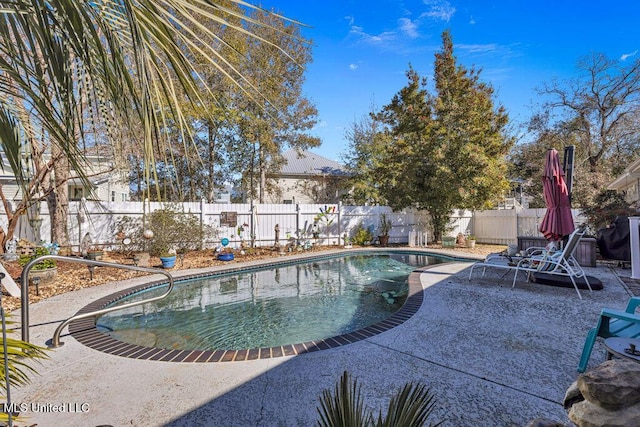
pixel 306 177
pixel 108 183
pixel 628 182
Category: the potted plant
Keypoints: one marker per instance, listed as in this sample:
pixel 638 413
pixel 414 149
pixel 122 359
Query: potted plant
pixel 347 241
pixel 471 241
pixel 168 258
pixel 226 254
pixel 45 270
pixel 383 229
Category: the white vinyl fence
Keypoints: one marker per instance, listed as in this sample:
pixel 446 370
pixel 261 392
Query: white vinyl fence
pixel 99 221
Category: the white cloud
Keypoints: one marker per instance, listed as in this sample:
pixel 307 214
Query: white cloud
pixel 381 38
pixel 478 48
pixel 439 9
pixel 627 55
pixel 472 21
pixel 353 67
pixel 408 27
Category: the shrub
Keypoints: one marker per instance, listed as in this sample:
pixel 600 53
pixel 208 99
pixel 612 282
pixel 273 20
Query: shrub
pixel 172 229
pixel 385 225
pixel 39 251
pixel 606 206
pixel 361 236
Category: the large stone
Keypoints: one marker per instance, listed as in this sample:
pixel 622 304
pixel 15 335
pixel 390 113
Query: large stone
pixel 141 259
pixel 613 384
pixel 572 396
pixel 587 414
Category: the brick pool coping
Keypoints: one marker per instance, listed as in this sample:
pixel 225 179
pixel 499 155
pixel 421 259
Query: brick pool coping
pixel 85 331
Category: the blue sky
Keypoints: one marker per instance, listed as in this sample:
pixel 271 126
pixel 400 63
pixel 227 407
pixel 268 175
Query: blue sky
pixel 362 49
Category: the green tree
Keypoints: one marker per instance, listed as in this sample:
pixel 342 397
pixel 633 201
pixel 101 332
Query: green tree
pixel 440 151
pixel 282 121
pixel 363 159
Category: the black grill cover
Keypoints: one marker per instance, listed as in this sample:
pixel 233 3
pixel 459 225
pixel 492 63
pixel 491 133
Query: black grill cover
pixel 614 242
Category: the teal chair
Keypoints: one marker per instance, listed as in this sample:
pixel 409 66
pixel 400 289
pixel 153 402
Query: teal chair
pixel 612 323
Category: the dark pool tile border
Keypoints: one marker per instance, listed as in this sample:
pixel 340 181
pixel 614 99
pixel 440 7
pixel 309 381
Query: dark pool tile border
pixel 85 331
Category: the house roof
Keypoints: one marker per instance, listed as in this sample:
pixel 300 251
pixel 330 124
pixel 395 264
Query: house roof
pixel 298 162
pixel 630 174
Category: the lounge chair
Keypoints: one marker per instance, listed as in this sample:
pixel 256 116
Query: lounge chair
pixel 559 263
pixel 612 323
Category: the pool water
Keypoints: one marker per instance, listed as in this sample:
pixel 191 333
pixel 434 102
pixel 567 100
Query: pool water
pixel 269 307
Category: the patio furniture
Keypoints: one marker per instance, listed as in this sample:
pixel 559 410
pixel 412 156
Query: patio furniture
pixel 624 348
pixel 559 263
pixel 612 323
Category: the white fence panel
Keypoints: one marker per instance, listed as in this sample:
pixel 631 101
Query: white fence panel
pixel 100 220
pixel 496 226
pixel 460 222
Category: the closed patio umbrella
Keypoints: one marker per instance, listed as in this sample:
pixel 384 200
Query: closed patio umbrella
pixel 557 221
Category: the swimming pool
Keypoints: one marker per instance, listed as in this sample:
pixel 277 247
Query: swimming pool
pixel 285 308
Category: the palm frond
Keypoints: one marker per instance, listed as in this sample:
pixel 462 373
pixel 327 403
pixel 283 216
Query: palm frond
pixel 411 407
pixel 345 407
pixel 74 66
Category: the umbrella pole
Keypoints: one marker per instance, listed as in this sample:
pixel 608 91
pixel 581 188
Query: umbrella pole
pixel 567 165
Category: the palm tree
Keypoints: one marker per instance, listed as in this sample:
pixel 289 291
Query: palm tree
pixel 410 407
pixel 74 72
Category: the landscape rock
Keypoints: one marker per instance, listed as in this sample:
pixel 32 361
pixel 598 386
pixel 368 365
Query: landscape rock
pixel 613 384
pixel 572 396
pixel 587 414
pixel 606 396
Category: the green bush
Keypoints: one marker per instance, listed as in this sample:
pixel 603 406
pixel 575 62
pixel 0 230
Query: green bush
pixel 172 229
pixel 606 206
pixel 361 236
pixel 43 265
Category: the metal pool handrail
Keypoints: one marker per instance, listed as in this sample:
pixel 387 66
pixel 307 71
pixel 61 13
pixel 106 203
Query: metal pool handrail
pixel 55 341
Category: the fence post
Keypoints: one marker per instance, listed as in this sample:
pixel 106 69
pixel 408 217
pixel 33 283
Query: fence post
pixel 634 242
pixel 202 206
pixel 340 223
pixel 253 225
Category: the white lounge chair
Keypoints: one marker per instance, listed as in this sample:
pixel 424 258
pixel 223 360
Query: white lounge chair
pixel 559 263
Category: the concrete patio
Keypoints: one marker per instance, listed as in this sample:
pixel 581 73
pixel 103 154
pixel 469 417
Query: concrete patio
pixel 492 355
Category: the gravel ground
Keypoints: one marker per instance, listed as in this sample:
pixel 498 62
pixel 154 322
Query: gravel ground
pixel 72 276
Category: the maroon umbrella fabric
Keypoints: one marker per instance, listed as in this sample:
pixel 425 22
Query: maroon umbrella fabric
pixel 557 221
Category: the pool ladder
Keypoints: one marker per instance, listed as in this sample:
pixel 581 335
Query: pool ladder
pixel 91 264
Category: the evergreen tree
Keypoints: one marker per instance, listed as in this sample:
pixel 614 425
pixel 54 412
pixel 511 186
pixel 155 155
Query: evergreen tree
pixel 441 151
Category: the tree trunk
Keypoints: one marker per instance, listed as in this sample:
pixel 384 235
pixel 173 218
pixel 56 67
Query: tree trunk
pixel 58 200
pixel 211 177
pixel 263 174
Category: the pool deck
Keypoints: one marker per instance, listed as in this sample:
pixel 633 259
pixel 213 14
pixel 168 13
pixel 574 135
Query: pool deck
pixel 492 355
